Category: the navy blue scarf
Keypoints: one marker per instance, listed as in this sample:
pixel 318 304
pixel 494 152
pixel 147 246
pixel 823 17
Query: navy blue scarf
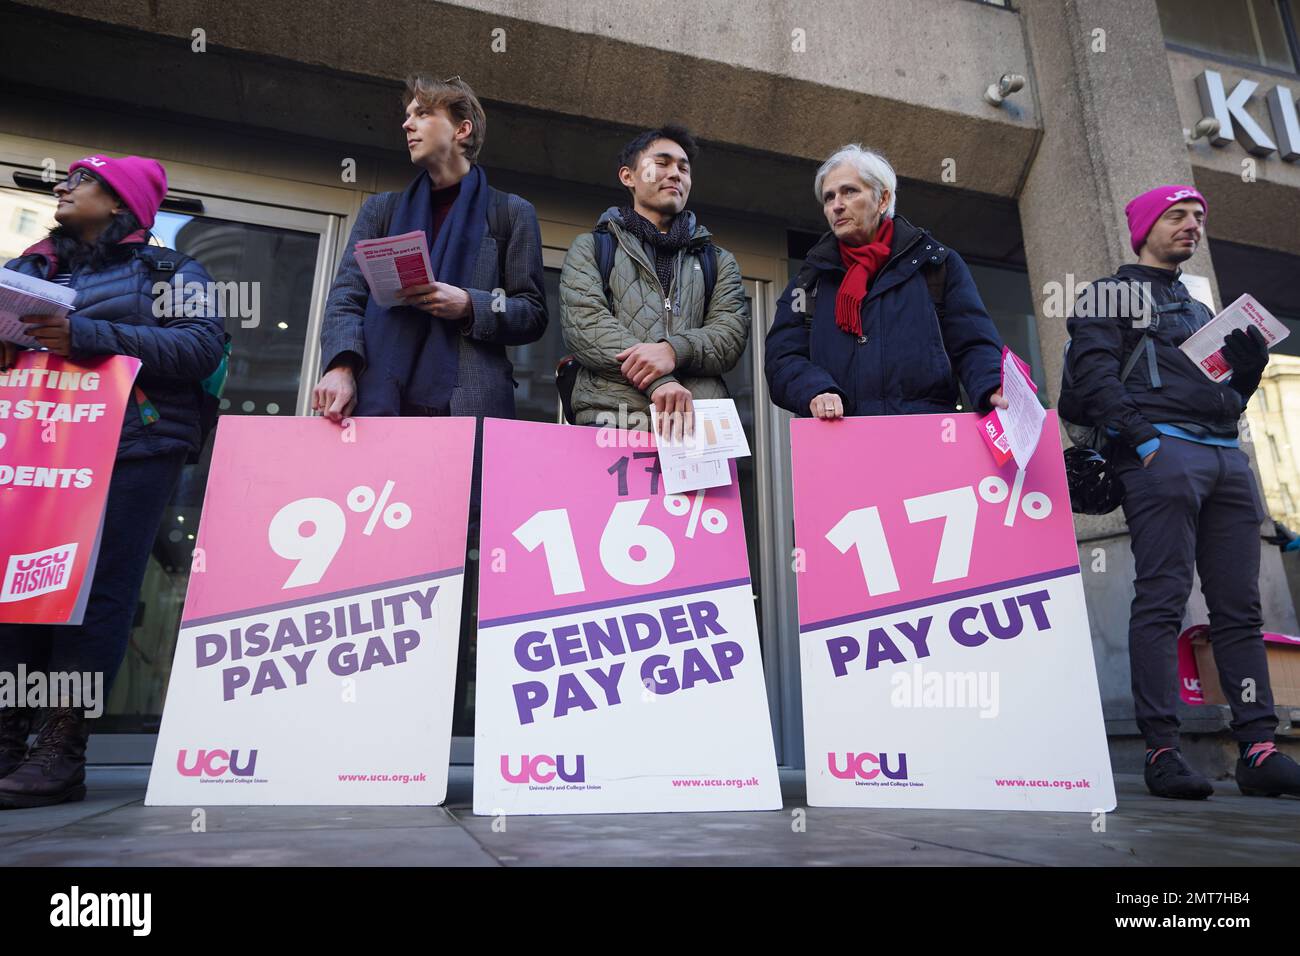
pixel 412 356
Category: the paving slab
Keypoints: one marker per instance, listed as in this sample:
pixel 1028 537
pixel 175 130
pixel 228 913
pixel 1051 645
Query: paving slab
pixel 113 827
pixel 385 846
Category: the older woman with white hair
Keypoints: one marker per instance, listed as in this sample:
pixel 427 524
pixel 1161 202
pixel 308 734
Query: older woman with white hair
pixel 883 319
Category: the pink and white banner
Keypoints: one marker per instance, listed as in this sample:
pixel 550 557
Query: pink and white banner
pixel 944 643
pixel 618 654
pixel 60 423
pixel 316 662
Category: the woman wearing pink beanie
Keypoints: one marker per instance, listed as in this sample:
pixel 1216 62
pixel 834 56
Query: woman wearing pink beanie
pixel 100 248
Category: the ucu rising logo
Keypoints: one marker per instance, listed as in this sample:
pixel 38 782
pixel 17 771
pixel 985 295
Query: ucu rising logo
pixel 214 763
pixel 544 769
pixel 856 765
pixel 30 575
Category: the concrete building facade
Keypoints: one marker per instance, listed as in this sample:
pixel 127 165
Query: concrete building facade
pixel 276 120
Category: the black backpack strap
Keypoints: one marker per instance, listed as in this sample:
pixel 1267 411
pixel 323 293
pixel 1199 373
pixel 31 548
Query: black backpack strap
pixel 388 202
pixel 163 264
pixel 605 243
pixel 499 216
pixel 936 280
pixel 708 256
pixel 1147 346
pixel 499 226
pixel 808 279
pixel 1146 343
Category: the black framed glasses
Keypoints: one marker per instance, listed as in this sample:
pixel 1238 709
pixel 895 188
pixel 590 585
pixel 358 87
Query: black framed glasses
pixel 75 179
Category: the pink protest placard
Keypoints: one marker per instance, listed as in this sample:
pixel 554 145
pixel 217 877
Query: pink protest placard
pixel 1190 690
pixel 1017 525
pixel 616 623
pixel 520 477
pixel 60 423
pixel 1189 675
pixel 311 509
pixel 946 658
pixel 324 602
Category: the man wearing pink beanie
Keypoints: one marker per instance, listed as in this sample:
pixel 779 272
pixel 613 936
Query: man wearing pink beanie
pixel 1189 495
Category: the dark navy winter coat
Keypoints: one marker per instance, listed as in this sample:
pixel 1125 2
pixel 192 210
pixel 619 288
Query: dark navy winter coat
pixel 908 359
pixel 114 315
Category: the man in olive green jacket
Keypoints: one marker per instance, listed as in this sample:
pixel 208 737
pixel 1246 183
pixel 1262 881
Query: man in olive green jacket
pixel 653 338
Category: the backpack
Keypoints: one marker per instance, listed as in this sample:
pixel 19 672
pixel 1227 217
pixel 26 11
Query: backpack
pixel 566 371
pixel 212 387
pixel 607 245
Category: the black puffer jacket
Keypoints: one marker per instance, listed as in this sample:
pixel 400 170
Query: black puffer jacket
pixel 115 316
pixel 1102 337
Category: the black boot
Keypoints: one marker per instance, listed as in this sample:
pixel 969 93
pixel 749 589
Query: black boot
pixel 15 725
pixel 55 768
pixel 1275 775
pixel 1169 776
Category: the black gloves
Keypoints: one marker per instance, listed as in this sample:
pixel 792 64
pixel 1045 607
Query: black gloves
pixel 1247 353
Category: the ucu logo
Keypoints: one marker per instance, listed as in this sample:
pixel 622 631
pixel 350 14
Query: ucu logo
pixel 49 560
pixel 544 769
pixel 95 161
pixel 856 765
pixel 213 763
pixel 1181 194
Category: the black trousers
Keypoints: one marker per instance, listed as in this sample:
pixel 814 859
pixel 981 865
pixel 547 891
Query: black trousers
pixel 1196 506
pixel 466 657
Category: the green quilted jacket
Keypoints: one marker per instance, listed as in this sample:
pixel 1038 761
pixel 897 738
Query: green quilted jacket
pixel 709 338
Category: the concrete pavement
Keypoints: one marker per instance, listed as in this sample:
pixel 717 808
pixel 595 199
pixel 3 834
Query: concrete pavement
pixel 112 827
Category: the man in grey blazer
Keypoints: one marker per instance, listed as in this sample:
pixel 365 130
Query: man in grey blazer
pixel 443 351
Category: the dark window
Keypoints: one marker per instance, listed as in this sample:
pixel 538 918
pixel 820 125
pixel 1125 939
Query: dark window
pixel 1259 32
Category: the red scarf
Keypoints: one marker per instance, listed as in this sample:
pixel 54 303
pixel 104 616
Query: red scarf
pixel 46 248
pixel 862 263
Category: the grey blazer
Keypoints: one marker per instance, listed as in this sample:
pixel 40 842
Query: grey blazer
pixel 484 385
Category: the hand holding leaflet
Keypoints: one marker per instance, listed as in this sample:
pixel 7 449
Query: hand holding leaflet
pixel 700 460
pixel 1013 432
pixel 393 263
pixel 1205 345
pixel 26 295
